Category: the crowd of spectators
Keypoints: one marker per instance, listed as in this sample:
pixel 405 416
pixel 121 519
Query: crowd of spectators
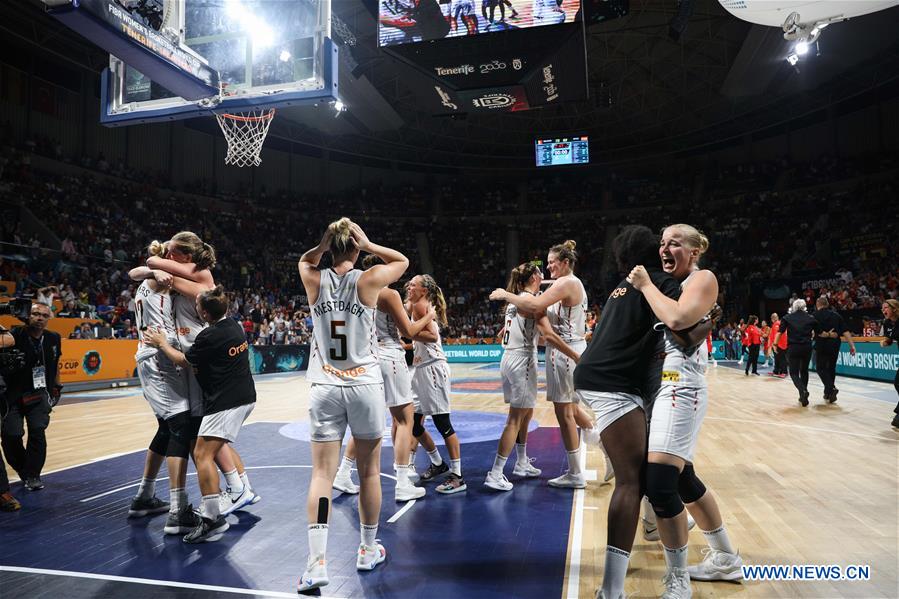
pixel 102 227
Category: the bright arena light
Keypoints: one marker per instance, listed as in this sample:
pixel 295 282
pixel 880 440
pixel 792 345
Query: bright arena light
pixel 260 33
pixel 793 59
pixel 284 56
pixel 801 48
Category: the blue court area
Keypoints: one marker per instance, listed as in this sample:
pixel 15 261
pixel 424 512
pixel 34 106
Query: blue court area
pixel 473 544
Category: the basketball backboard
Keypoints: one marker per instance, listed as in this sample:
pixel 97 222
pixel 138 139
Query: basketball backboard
pixel 175 59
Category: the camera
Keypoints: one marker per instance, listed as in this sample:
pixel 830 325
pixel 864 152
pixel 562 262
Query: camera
pixel 19 308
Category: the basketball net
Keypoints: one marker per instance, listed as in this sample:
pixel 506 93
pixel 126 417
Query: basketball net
pixel 245 133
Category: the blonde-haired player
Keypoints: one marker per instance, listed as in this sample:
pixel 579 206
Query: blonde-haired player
pixel 565 304
pixel 431 385
pixel 190 261
pixel 518 370
pixel 391 321
pixel 677 415
pixel 347 384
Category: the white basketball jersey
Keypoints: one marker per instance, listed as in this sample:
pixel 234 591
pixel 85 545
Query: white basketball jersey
pixel 152 309
pixel 390 346
pixel 425 353
pixel 520 336
pixel 344 346
pixel 684 367
pixel 187 322
pixel 570 322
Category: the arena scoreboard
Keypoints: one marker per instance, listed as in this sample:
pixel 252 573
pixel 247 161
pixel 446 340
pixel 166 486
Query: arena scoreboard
pixel 564 150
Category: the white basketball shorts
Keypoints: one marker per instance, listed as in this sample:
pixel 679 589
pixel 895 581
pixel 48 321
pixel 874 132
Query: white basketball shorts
pixel 677 415
pixel 519 376
pixel 333 407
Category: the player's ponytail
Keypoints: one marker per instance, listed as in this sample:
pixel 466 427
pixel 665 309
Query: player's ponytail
pixel 201 254
pixel 520 276
pixel 435 296
pixel 157 248
pixel 341 239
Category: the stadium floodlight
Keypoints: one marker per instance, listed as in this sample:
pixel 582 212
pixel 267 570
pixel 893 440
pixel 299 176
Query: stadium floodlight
pixel 284 56
pixel 801 48
pixel 338 108
pixel 260 33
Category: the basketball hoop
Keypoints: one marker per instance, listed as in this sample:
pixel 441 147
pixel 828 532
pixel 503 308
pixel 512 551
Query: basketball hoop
pixel 245 133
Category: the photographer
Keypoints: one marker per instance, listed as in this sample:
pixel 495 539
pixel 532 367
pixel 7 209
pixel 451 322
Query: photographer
pixel 8 503
pixel 31 393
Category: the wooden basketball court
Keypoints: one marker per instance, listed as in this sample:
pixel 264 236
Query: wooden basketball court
pixel 796 485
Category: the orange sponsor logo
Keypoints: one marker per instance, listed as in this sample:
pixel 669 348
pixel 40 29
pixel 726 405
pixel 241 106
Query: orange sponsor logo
pixel 351 373
pixel 238 349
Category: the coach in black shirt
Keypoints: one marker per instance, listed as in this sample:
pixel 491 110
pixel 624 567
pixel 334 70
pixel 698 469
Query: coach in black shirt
pixel 220 357
pixel 30 394
pixel 830 328
pixel 800 329
pixel 613 377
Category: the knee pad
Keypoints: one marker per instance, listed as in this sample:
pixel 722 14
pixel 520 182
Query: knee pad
pixel 661 489
pixel 689 486
pixel 179 435
pixel 443 424
pixel 418 428
pixel 160 441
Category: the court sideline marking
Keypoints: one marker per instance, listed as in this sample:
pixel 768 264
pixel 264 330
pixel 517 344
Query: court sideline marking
pixel 147 581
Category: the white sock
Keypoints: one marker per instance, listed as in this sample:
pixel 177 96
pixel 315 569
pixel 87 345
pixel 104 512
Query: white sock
pixel 209 508
pixel 402 475
pixel 246 480
pixel 436 459
pixel 318 541
pixel 368 532
pixel 676 558
pixel 574 462
pixel 177 500
pixel 615 571
pixel 456 467
pixel 718 540
pixel 147 488
pixel 649 514
pixel 235 484
pixel 521 450
pixel 346 464
pixel 499 462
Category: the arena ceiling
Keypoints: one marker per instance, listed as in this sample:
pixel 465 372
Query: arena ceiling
pixel 651 96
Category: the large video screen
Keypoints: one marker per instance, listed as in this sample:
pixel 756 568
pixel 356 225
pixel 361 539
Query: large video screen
pixel 409 21
pixel 564 150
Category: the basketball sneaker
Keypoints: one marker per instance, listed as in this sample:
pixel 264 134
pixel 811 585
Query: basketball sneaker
pixel 718 565
pixel 651 530
pixel 497 483
pixel 315 576
pixel 408 492
pixel 228 503
pixel 345 484
pixel 433 472
pixel 144 507
pixel 526 469
pixel 369 557
pixel 34 483
pixel 207 531
pixel 677 584
pixel 568 481
pixel 8 503
pixel 183 521
pixel 452 484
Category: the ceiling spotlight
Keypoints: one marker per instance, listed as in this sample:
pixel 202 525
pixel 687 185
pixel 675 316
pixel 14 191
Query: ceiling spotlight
pixel 338 108
pixel 801 48
pixel 284 56
pixel 793 59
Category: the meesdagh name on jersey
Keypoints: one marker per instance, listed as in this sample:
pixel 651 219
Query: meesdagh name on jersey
pixel 338 306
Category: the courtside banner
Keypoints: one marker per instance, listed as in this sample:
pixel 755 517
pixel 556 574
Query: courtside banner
pixel 97 360
pixel 265 359
pixel 473 353
pixel 869 362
